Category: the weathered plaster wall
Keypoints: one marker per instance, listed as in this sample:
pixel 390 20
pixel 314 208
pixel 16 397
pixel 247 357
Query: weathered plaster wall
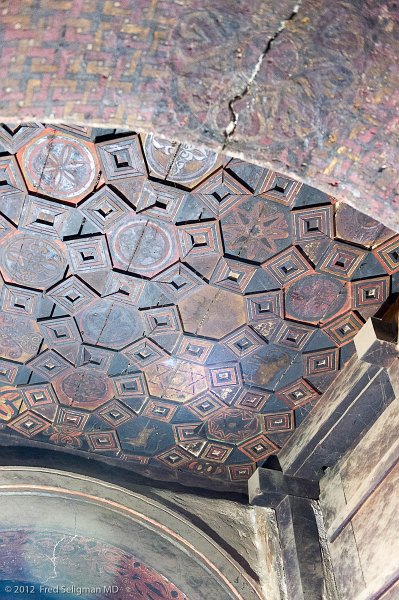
pixel 308 87
pixel 181 545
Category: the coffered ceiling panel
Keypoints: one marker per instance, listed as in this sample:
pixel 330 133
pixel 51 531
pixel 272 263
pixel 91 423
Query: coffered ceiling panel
pixel 171 309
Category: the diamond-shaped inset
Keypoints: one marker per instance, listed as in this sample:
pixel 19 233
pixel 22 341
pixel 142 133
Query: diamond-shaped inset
pixel 370 292
pixel 343 329
pixel 228 375
pixel 39 395
pixel 313 223
pixel 243 342
pixel 121 158
pixel 160 410
pixel 388 255
pixel 60 331
pixel 341 260
pixel 263 306
pixel 29 424
pixel 10 175
pixel 94 358
pixel 49 364
pixel 103 441
pixel 161 320
pixel 19 301
pixel 144 353
pixel 298 393
pixel 288 266
pixel 175 379
pixel 43 216
pixel 220 192
pixel 188 432
pixel 278 188
pixel 89 254
pixel 204 406
pixel 104 208
pixel 251 400
pixel 122 288
pixel 70 418
pixel 233 275
pixel 178 281
pixel 323 361
pixel 258 448
pixel 160 201
pixel 241 472
pixel 194 349
pixel 13 136
pixel 129 385
pixel 72 295
pixel 216 452
pixel 199 239
pixel 233 425
pixel 173 458
pixel 293 335
pixel 279 422
pixel 8 371
pixel 115 413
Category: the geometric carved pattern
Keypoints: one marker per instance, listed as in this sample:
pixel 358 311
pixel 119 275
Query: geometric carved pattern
pixel 88 255
pixel 233 425
pixel 278 188
pixel 184 320
pixel 121 158
pixel 297 394
pixel 341 260
pixel 313 223
pixel 220 192
pixel 369 292
pixel 258 448
pixel 233 275
pixel 343 329
pixel 104 208
pixel 199 240
pixel 72 295
pixel 388 255
pixel 288 266
pixel 279 422
pixel 265 306
pixel 29 424
pixel 243 342
pixel 321 362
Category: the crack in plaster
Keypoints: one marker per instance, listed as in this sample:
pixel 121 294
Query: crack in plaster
pixel 231 127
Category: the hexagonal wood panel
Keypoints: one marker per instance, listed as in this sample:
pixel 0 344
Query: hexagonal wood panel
pixel 183 320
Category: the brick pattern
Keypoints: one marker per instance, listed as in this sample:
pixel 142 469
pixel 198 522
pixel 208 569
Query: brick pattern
pixel 322 103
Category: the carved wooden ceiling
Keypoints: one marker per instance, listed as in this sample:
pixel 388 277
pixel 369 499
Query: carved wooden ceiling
pixel 169 308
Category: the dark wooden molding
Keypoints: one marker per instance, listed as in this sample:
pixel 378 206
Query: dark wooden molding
pixel 268 488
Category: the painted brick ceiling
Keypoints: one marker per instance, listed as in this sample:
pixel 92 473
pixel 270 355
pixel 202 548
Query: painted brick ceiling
pixel 168 308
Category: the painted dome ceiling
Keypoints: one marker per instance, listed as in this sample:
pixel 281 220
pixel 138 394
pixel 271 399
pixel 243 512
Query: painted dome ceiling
pixel 169 308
